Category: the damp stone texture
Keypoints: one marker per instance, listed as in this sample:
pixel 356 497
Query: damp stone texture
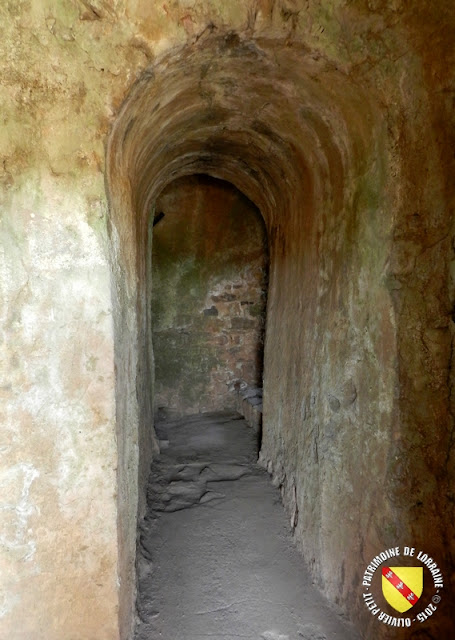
pixel 209 286
pixel 336 120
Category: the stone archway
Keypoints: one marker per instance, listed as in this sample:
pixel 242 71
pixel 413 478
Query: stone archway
pixel 209 290
pixel 294 145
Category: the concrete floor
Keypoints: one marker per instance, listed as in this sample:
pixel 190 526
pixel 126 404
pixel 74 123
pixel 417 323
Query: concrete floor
pixel 216 555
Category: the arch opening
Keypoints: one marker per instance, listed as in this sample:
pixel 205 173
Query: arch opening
pixel 209 289
pixel 303 147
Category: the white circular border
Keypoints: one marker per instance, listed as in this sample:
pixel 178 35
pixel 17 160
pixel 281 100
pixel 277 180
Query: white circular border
pixel 390 554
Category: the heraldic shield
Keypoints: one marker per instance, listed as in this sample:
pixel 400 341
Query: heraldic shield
pixel 402 586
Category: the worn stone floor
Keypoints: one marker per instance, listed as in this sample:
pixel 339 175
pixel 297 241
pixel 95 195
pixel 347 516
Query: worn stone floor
pixel 216 557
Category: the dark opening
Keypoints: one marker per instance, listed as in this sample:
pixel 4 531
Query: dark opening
pixel 209 289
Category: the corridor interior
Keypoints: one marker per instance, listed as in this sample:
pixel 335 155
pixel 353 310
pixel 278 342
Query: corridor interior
pixel 258 240
pixel 227 274
pixel 215 551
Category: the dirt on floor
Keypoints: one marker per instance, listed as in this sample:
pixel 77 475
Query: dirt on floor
pixel 216 555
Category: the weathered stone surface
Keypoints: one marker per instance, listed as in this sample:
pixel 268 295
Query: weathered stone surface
pixel 58 457
pixel 209 254
pixel 336 119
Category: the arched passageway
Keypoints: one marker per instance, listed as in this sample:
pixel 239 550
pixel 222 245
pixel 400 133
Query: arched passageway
pixel 306 144
pixel 291 142
pixel 336 118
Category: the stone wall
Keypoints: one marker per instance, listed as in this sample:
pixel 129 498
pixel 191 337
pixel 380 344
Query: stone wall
pixel 58 532
pixel 336 120
pixel 209 270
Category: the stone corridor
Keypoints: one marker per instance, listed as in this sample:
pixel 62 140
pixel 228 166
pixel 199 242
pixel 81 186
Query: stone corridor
pixel 216 558
pixel 197 195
